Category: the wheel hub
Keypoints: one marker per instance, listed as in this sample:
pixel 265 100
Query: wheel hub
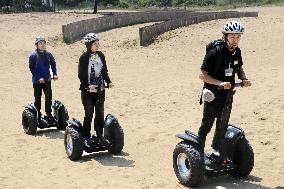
pixel 69 145
pixel 183 165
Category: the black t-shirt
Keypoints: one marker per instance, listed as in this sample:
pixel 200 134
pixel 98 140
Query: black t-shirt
pixel 221 64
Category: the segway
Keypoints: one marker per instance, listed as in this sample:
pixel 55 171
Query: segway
pixel 236 158
pixel 75 143
pixel 30 118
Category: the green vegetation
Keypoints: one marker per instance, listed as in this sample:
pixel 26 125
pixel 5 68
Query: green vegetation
pixel 196 3
pixel 37 5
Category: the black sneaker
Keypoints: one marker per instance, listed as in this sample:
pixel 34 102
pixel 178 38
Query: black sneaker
pixel 41 123
pixel 218 158
pixel 103 142
pixel 51 120
pixel 89 142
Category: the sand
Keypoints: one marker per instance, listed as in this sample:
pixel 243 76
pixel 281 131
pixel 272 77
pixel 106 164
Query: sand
pixel 156 96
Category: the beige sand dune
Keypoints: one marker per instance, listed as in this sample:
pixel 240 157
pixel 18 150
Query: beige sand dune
pixel 155 97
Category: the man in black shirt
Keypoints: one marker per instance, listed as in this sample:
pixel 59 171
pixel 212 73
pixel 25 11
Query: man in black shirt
pixel 218 69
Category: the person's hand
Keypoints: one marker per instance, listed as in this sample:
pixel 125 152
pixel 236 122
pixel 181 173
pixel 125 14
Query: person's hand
pixel 225 85
pixel 41 80
pixel 246 83
pixel 55 77
pixel 110 85
pixel 92 88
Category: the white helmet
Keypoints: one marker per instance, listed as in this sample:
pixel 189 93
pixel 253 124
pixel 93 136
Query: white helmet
pixel 38 39
pixel 233 27
pixel 90 37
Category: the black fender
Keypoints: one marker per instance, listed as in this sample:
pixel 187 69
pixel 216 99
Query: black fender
pixel 110 121
pixel 31 107
pixel 76 124
pixel 57 104
pixel 189 137
pixel 60 114
pixel 231 141
pixel 234 134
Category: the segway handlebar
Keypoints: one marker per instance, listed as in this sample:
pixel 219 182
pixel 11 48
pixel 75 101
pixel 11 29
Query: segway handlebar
pixel 238 84
pixel 98 87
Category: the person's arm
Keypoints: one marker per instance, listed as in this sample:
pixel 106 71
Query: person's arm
pixel 105 70
pixel 81 76
pixel 205 77
pixel 32 63
pixel 53 67
pixel 241 73
pixel 208 64
pixel 242 76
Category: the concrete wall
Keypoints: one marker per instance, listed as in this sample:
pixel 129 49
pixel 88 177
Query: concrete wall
pixel 171 20
pixel 76 30
pixel 148 33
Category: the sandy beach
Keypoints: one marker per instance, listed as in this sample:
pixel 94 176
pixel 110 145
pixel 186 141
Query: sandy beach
pixel 156 96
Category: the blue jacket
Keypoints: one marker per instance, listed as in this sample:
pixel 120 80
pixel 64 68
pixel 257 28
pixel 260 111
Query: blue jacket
pixel 40 63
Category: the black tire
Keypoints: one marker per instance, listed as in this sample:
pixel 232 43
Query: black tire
pixel 188 164
pixel 62 118
pixel 29 122
pixel 115 136
pixel 243 159
pixel 77 140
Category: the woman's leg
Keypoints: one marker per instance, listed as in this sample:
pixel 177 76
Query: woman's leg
pixel 99 115
pixel 88 101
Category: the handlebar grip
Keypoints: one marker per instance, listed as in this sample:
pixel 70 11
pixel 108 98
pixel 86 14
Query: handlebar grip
pixel 239 84
pixel 220 87
pixel 105 86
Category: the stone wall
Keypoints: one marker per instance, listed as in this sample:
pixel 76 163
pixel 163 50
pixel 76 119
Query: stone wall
pixel 76 30
pixel 148 33
pixel 170 20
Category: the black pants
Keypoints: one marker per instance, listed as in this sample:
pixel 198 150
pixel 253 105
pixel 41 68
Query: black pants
pixel 211 111
pixel 46 88
pixel 90 102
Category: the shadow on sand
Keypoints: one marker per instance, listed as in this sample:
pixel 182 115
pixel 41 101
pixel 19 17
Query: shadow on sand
pixel 50 133
pixel 228 182
pixel 107 159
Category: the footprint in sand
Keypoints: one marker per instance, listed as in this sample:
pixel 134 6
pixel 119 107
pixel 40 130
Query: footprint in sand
pixel 125 176
pixel 53 169
pixel 243 116
pixel 263 118
pixel 21 140
pixel 149 140
pixel 266 143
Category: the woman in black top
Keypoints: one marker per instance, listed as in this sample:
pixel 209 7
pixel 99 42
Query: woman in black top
pixel 92 72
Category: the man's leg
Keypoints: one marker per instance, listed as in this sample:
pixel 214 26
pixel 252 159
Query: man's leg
pixel 37 95
pixel 207 122
pixel 221 129
pixel 223 116
pixel 48 98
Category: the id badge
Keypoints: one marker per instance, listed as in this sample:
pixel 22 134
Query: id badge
pixel 229 72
